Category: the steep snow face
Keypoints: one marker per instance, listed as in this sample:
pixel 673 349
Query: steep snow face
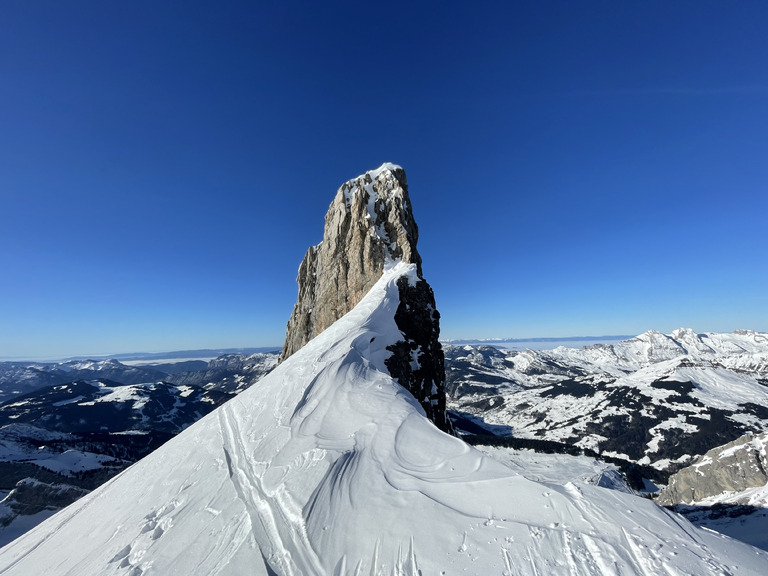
pixel 369 226
pixel 70 438
pixel 327 466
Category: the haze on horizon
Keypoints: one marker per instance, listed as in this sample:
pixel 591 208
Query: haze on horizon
pixel 575 168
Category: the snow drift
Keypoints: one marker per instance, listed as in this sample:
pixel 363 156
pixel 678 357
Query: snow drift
pixel 328 466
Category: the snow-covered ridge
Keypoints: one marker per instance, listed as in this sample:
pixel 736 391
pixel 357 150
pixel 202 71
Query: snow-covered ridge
pixel 327 466
pixel 73 430
pixel 652 347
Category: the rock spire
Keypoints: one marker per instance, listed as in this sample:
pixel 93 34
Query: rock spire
pixel 369 223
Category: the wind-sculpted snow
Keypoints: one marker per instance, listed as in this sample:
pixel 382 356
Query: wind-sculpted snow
pixel 327 466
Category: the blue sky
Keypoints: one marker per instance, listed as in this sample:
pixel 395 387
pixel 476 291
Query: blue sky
pixel 576 168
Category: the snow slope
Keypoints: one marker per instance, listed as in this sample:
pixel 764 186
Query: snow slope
pixel 327 466
pixel 70 437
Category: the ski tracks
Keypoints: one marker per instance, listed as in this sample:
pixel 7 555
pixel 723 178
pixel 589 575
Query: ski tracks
pixel 283 535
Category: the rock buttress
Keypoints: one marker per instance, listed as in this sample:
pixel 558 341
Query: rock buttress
pixel 370 222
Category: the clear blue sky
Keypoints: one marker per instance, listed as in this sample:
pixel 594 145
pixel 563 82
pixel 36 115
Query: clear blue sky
pixel 576 168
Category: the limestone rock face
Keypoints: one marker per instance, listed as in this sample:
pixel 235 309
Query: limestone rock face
pixel 733 467
pixel 369 223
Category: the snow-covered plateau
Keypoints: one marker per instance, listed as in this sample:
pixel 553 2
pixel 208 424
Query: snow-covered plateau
pixel 328 466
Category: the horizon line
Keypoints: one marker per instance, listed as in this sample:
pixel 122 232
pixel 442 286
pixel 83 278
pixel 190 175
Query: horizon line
pixel 169 354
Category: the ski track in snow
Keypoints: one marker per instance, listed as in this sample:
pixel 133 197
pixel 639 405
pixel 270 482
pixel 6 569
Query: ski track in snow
pixel 278 515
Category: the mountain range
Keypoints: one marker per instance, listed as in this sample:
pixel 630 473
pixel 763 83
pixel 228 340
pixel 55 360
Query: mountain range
pixel 328 466
pixel 350 457
pixel 656 399
pixel 59 441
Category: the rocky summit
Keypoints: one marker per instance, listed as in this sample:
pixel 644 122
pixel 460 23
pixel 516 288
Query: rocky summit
pixel 368 226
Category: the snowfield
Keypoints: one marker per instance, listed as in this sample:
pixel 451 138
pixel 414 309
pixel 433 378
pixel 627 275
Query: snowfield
pixel 328 466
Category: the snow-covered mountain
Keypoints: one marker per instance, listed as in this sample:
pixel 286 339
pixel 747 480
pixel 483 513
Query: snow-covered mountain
pixel 328 466
pixel 335 462
pixel 369 225
pixel 18 378
pixel 231 373
pixel 60 441
pixel 655 399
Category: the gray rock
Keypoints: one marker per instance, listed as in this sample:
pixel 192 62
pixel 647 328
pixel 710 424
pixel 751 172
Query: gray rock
pixel 31 496
pixel 733 467
pixel 369 223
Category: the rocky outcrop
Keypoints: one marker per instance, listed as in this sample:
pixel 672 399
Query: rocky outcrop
pixel 734 467
pixel 370 223
pixel 32 496
pixel 417 361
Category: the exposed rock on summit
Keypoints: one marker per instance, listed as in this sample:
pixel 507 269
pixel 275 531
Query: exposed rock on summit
pixel 369 221
pixel 369 224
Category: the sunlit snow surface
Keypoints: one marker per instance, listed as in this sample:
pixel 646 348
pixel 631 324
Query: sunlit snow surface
pixel 327 466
